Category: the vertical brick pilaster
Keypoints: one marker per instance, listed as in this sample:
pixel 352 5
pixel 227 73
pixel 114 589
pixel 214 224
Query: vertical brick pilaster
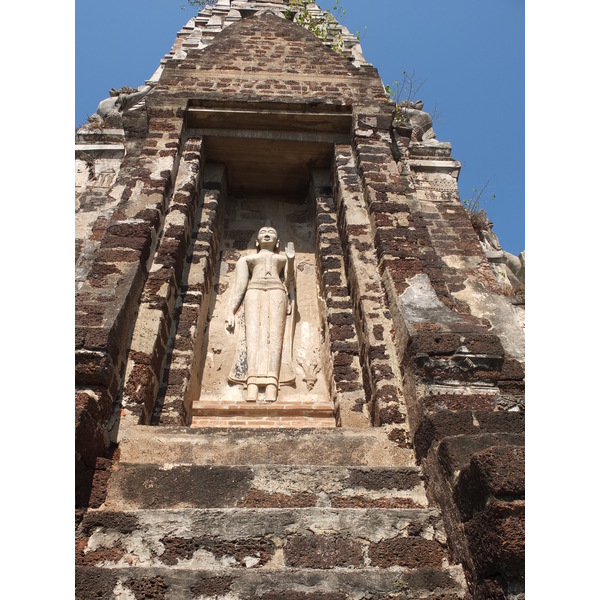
pixel 152 330
pixel 180 379
pixel 455 368
pixel 109 288
pixel 375 329
pixel 344 368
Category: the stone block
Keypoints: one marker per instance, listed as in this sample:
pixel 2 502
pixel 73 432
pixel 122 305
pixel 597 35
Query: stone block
pixel 276 486
pixel 442 343
pixel 322 552
pixel 141 386
pixel 443 424
pixel 300 447
pixel 411 552
pixel 497 472
pixel 455 453
pixel 89 437
pixel 93 368
pixel 458 402
pixel 274 584
pixel 496 538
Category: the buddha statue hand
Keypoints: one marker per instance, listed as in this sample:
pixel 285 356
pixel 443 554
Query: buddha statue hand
pixel 290 251
pixel 230 323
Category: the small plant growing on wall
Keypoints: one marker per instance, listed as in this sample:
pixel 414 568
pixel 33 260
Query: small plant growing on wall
pixel 477 199
pixel 404 91
pixel 325 28
pixel 200 3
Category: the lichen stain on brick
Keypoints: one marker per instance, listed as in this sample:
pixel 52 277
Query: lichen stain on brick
pixel 322 552
pixel 368 502
pixel 411 552
pixel 257 499
pixel 153 587
pixel 180 549
pixel 212 586
pixel 400 437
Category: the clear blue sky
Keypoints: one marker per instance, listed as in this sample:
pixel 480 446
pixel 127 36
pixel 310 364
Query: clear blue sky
pixel 469 57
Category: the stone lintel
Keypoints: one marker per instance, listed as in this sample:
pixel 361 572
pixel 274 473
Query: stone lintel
pixel 278 119
pixel 117 148
pixel 450 167
pixel 427 150
pixel 297 136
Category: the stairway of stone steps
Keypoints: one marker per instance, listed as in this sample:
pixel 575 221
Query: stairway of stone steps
pixel 247 514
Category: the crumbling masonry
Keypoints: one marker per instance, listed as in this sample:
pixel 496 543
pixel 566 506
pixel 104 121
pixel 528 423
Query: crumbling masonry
pixel 395 467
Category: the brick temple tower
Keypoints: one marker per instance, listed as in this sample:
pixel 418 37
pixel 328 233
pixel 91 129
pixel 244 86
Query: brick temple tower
pixel 391 463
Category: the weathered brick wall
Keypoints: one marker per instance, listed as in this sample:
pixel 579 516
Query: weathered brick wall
pixel 127 237
pixel 458 376
pixel 267 58
pixel 107 297
pixel 344 367
pixel 402 274
pixel 383 394
pixel 180 383
pixel 152 334
pixel 463 385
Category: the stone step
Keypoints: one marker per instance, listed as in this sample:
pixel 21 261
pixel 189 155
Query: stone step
pixel 305 538
pixel 239 413
pixel 338 446
pixel 143 486
pixel 298 408
pixel 286 584
pixel 265 422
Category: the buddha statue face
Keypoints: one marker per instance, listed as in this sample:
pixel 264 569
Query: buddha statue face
pixel 267 238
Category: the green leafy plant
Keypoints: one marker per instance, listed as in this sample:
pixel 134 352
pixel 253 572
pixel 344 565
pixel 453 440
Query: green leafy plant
pixel 403 90
pixel 478 199
pixel 325 28
pixel 406 90
pixel 200 3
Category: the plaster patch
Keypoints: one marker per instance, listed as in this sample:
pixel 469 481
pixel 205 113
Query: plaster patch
pixel 99 539
pixel 147 329
pixel 122 592
pixel 421 304
pixel 296 480
pixel 161 164
pixel 206 560
pixel 169 524
pixel 499 312
pixel 251 561
pixel 455 261
pixel 143 546
pixel 176 218
pixel 171 466
pixel 83 224
pixel 116 192
pixel 278 559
